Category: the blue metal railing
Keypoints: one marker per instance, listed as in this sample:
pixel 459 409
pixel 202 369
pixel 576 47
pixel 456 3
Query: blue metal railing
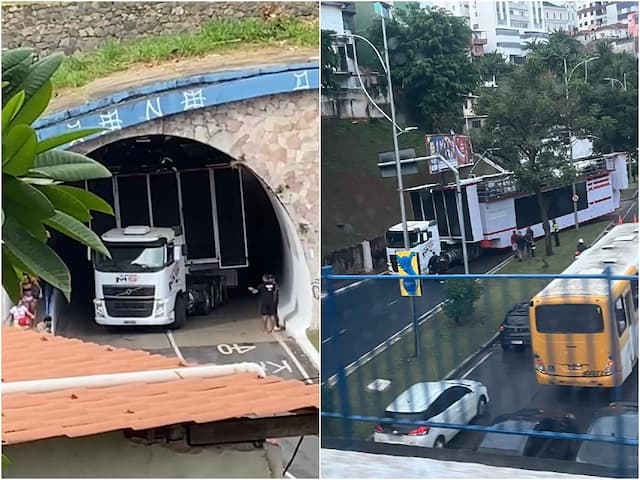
pixel 347 407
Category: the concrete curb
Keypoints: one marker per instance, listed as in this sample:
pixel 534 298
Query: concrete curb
pixel 306 346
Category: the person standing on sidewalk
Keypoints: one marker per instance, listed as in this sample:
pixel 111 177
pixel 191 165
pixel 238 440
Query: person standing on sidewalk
pixel 514 243
pixel 528 236
pixel 522 246
pixel 555 230
pixel 269 297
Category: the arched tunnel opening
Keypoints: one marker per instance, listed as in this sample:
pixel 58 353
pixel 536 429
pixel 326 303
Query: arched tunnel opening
pixel 226 213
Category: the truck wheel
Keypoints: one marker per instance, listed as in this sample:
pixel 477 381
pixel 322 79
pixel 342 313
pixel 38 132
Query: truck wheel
pixel 180 313
pixel 204 306
pixel 213 295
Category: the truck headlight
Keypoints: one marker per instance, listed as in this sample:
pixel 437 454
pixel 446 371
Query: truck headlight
pixel 159 310
pixel 99 307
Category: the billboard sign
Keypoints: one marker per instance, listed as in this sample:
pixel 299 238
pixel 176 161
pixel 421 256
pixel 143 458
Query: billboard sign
pixel 455 148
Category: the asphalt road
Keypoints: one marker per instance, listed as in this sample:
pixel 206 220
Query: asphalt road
pixel 511 384
pixel 371 312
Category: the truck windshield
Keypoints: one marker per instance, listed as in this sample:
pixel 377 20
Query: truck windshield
pixel 396 239
pixel 131 258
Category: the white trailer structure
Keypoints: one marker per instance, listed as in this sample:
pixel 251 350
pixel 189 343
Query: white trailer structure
pixel 493 207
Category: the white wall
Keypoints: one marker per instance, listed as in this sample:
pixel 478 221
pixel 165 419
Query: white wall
pixel 331 18
pixel 110 455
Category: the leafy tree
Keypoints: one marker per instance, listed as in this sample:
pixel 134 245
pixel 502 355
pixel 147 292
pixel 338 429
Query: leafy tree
pixel 35 199
pixel 460 298
pixel 492 65
pixel 524 112
pixel 330 60
pixel 429 64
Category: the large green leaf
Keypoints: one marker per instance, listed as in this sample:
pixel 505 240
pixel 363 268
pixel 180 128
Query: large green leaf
pixel 11 109
pixel 89 199
pixel 41 72
pixel 11 58
pixel 19 198
pixel 66 202
pixel 53 158
pixel 10 278
pixel 72 228
pixel 19 150
pixel 35 106
pixel 15 76
pixel 37 256
pixel 64 138
pixel 73 172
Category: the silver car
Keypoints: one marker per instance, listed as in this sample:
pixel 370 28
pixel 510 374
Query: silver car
pixel 616 420
pixel 450 401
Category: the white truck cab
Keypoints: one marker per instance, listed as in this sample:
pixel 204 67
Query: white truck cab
pixel 424 239
pixel 144 281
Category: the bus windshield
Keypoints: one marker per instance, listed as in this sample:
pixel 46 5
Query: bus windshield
pixel 568 318
pixel 396 239
pixel 131 258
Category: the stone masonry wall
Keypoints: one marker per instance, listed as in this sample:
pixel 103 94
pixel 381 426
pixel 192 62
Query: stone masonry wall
pixel 83 26
pixel 275 136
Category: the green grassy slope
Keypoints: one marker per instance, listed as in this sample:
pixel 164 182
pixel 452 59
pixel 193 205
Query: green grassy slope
pixel 353 192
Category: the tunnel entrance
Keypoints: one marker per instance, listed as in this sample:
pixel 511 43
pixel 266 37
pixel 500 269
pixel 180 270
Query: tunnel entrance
pixel 226 214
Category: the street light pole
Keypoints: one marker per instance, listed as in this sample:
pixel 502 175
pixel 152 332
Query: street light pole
pixel 403 212
pixel 396 149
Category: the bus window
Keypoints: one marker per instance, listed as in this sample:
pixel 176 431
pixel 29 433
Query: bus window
pixel 621 316
pixel 634 291
pixel 569 318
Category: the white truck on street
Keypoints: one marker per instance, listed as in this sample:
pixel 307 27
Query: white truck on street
pixel 185 261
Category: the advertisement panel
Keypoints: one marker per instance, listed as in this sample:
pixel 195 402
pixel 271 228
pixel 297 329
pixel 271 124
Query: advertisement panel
pixel 455 148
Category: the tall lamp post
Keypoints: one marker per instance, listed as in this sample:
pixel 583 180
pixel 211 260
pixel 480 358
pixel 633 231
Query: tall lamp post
pixel 397 131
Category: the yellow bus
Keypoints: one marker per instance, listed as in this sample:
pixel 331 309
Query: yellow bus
pixel 580 337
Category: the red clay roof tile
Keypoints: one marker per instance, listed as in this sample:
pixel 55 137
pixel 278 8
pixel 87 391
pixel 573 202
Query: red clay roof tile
pixel 77 412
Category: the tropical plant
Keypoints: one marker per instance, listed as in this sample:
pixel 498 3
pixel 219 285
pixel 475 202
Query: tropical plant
pixel 330 61
pixel 460 296
pixel 430 65
pixel 34 197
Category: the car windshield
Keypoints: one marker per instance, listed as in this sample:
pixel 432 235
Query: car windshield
pixel 506 443
pixel 568 318
pixel 131 258
pixel 611 454
pixel 396 239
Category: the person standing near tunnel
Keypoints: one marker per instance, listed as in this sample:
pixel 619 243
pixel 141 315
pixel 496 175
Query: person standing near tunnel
pixel 269 297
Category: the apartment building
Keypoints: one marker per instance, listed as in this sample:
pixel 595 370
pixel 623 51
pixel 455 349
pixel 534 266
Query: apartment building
pixel 591 15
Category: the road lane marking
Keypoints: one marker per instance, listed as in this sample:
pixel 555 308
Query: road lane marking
pixel 174 344
pixel 327 339
pixel 350 286
pixel 298 365
pixel 480 362
pixel 394 302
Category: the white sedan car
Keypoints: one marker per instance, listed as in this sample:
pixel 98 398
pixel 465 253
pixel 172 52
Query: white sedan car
pixel 449 401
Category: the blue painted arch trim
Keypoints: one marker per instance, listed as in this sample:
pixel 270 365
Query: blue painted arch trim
pixel 150 102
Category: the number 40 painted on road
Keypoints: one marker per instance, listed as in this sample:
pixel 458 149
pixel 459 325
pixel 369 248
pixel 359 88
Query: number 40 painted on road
pixel 226 349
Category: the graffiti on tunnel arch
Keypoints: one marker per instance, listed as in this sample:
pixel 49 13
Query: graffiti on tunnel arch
pixel 144 104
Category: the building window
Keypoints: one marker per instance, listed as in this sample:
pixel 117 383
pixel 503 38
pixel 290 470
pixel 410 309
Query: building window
pixel 342 53
pixel 476 123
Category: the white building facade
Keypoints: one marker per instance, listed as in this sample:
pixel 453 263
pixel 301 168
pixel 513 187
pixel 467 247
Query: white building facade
pixel 509 25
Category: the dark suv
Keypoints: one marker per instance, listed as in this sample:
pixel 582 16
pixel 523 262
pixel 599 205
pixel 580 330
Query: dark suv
pixel 523 445
pixel 514 330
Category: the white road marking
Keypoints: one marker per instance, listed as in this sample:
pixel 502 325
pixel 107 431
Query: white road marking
pixel 480 362
pixel 327 339
pixel 342 331
pixel 286 348
pixel 351 285
pixel 288 475
pixel 174 344
pixel 394 302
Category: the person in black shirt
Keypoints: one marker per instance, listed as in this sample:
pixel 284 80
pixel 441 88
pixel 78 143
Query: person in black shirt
pixel 269 297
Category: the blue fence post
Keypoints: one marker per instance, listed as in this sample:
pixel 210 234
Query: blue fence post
pixel 329 319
